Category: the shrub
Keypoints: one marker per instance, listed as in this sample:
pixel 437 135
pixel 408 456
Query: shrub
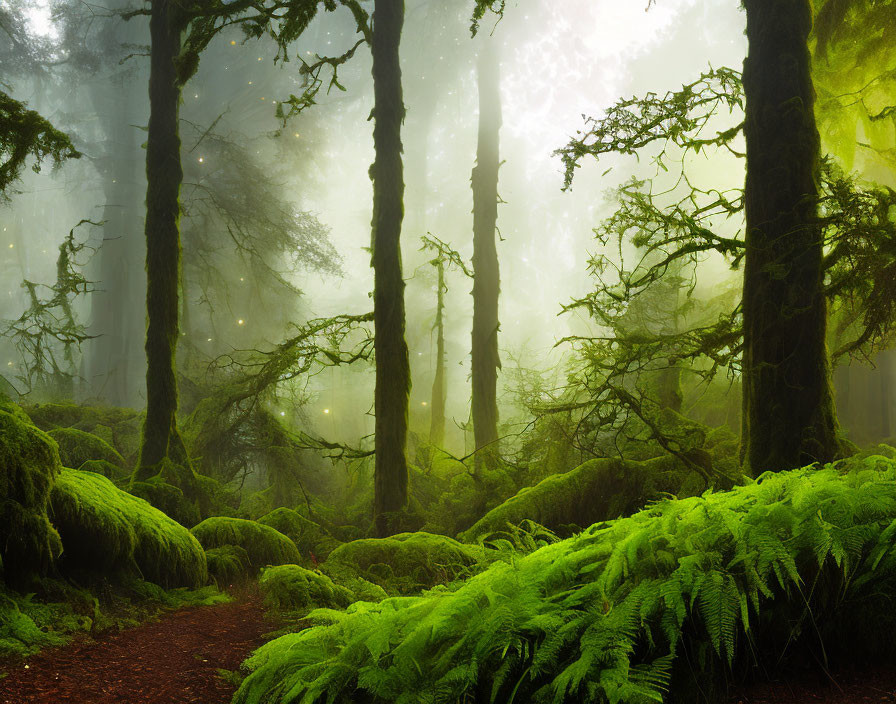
pixel 606 615
pixel 293 588
pixel 228 564
pixel 264 545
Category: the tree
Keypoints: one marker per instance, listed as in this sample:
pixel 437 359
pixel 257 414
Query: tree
pixel 486 278
pixel 393 382
pixel 789 418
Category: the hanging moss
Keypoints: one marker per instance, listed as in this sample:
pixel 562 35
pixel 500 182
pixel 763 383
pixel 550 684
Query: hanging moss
pixel 168 499
pixel 598 490
pixel 228 565
pixel 264 545
pixel 77 447
pixel 30 465
pixel 105 528
pixel 293 588
pixel 313 542
pixel 408 562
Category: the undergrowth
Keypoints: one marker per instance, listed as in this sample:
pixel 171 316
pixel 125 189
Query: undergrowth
pixel 606 616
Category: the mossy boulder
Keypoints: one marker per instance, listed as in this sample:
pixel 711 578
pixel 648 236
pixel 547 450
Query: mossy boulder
pixel 294 588
pixel 313 542
pixel 598 490
pixel 408 562
pixel 118 427
pixel 77 447
pixel 109 530
pixel 228 564
pixel 30 466
pixel 167 498
pixel 264 545
pixel 107 469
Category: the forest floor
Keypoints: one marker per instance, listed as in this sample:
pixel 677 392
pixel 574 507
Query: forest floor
pixel 875 685
pixel 173 660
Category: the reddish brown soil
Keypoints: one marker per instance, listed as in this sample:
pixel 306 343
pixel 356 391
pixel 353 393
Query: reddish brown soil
pixel 848 687
pixel 170 661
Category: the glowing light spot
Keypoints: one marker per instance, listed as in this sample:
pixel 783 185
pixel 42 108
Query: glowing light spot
pixel 250 83
pixel 326 410
pixel 282 413
pixel 423 404
pixel 232 42
pixel 11 246
pixel 240 321
pixel 209 340
pixel 201 160
pixel 296 135
pixel 259 58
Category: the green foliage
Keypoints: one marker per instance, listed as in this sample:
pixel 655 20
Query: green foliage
pixel 77 447
pixel 407 562
pixel 604 616
pixel 107 529
pixel 30 466
pixel 25 133
pixel 228 564
pixel 313 542
pixel 264 545
pixel 167 498
pixel 292 588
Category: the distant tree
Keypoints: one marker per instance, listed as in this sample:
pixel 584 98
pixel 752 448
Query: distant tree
pixel 486 277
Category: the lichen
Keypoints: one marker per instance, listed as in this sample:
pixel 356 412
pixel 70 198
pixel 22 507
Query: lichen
pixel 313 542
pixel 107 529
pixel 264 545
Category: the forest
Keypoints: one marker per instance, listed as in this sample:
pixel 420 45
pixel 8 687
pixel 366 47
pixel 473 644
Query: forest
pixel 447 352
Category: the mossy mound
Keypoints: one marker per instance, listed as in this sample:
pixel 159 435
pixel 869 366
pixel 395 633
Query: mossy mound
pixel 597 490
pixel 107 469
pixel 407 562
pixel 77 447
pixel 119 427
pixel 215 499
pixel 168 499
pixel 313 542
pixel 264 545
pixel 294 588
pixel 228 564
pixel 29 466
pixel 107 529
pixel 651 607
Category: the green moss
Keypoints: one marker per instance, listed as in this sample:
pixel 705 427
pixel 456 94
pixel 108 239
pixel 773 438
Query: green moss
pixel 228 565
pixel 293 588
pixel 30 465
pixel 167 498
pixel 77 447
pixel 105 528
pixel 264 545
pixel 107 469
pixel 407 562
pixel 119 427
pixel 215 499
pixel 313 542
pixel 597 490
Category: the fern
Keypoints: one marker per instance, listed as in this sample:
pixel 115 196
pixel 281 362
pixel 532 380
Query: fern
pixel 602 616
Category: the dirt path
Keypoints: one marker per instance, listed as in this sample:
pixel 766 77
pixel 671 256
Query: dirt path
pixel 171 661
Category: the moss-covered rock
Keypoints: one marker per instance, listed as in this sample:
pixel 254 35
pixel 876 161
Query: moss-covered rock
pixel 264 545
pixel 294 588
pixel 597 490
pixel 215 499
pixel 167 498
pixel 107 529
pixel 313 542
pixel 77 447
pixel 119 427
pixel 408 562
pixel 107 469
pixel 228 564
pixel 29 466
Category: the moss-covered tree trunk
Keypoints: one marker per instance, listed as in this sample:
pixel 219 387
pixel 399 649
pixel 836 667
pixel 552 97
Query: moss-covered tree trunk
pixel 437 404
pixel 393 379
pixel 789 416
pixel 164 175
pixel 486 278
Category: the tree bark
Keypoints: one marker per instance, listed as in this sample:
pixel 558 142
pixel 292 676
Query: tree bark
pixel 437 405
pixel 393 382
pixel 164 175
pixel 789 416
pixel 486 277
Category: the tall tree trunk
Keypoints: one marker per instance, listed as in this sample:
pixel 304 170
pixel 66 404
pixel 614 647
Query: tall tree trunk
pixel 164 175
pixel 437 405
pixel 393 379
pixel 789 416
pixel 486 279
